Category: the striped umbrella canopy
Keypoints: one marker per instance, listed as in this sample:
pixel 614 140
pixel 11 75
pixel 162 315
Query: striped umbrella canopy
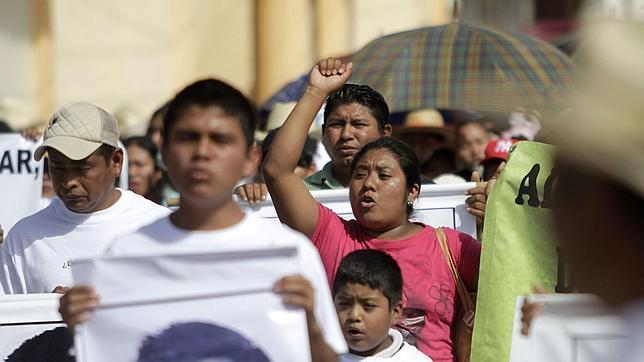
pixel 456 66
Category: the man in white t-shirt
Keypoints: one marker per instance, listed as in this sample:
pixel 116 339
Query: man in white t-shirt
pixel 208 147
pixel 81 141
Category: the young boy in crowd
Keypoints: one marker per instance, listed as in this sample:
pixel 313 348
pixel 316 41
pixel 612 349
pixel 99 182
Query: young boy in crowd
pixel 367 293
pixel 207 148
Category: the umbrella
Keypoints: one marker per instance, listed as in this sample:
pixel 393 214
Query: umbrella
pixel 291 92
pixel 456 66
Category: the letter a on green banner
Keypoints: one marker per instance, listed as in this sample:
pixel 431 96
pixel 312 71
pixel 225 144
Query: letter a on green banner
pixel 519 249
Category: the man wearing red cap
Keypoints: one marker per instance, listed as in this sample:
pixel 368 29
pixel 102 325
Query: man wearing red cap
pixel 496 152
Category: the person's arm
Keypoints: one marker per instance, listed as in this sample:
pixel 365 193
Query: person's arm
pixel 298 292
pixel 294 204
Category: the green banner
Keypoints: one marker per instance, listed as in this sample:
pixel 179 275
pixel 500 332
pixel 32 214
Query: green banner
pixel 519 249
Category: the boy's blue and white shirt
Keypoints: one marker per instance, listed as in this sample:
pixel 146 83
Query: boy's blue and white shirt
pixel 399 351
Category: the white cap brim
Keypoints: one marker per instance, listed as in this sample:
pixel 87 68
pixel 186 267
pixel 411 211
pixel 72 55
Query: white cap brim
pixel 72 147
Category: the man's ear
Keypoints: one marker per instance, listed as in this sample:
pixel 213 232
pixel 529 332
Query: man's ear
pixel 387 130
pixel 396 313
pixel 252 161
pixel 117 161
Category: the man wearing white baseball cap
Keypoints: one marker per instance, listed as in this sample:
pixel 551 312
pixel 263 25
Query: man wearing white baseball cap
pixel 81 141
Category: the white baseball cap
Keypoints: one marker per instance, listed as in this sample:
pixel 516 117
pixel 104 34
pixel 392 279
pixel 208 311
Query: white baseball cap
pixel 77 130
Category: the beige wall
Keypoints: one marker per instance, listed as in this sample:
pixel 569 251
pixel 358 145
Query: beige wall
pixel 212 39
pixel 136 54
pixel 17 84
pixel 375 18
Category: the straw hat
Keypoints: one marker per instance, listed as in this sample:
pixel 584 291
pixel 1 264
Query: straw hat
pixel 604 129
pixel 425 121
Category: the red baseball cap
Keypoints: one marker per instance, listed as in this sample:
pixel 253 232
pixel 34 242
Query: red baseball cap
pixel 498 149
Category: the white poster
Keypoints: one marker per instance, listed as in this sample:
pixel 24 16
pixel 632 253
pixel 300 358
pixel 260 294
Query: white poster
pixel 201 307
pixel 437 205
pixel 20 179
pixel 569 328
pixel 24 316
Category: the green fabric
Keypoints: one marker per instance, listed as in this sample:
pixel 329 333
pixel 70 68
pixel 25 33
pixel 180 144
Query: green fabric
pixel 323 180
pixel 519 249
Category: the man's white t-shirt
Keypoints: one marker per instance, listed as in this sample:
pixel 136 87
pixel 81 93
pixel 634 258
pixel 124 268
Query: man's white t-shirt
pixel 162 237
pixel 35 256
pixel 399 351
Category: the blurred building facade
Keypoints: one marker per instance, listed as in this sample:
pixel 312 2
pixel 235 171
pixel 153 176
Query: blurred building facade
pixel 131 56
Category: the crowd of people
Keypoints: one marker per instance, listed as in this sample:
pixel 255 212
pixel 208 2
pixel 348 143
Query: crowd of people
pixel 367 286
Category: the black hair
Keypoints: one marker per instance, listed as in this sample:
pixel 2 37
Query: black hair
pixel 633 205
pixel 5 127
pixel 444 155
pixel 146 144
pixel 361 94
pixel 373 268
pixel 308 152
pixel 52 345
pixel 160 112
pixel 195 341
pixel 403 153
pixel 213 92
pixel 106 151
pixel 476 122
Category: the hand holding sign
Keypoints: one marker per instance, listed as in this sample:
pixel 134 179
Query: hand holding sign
pixel 77 305
pixel 253 193
pixel 479 194
pixel 531 309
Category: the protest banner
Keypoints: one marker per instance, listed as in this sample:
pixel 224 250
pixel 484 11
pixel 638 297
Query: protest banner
pixel 24 316
pixel 207 306
pixel 20 179
pixel 437 205
pixel 519 249
pixel 569 328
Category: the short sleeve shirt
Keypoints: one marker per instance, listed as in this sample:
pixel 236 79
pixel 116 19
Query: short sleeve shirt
pixel 323 179
pixel 429 292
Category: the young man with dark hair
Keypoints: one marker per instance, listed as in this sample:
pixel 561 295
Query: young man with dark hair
pixel 208 148
pixel 367 293
pixel 81 141
pixel 353 116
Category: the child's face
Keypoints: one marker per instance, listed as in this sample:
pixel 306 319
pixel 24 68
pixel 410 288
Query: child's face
pixel 206 154
pixel 365 318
